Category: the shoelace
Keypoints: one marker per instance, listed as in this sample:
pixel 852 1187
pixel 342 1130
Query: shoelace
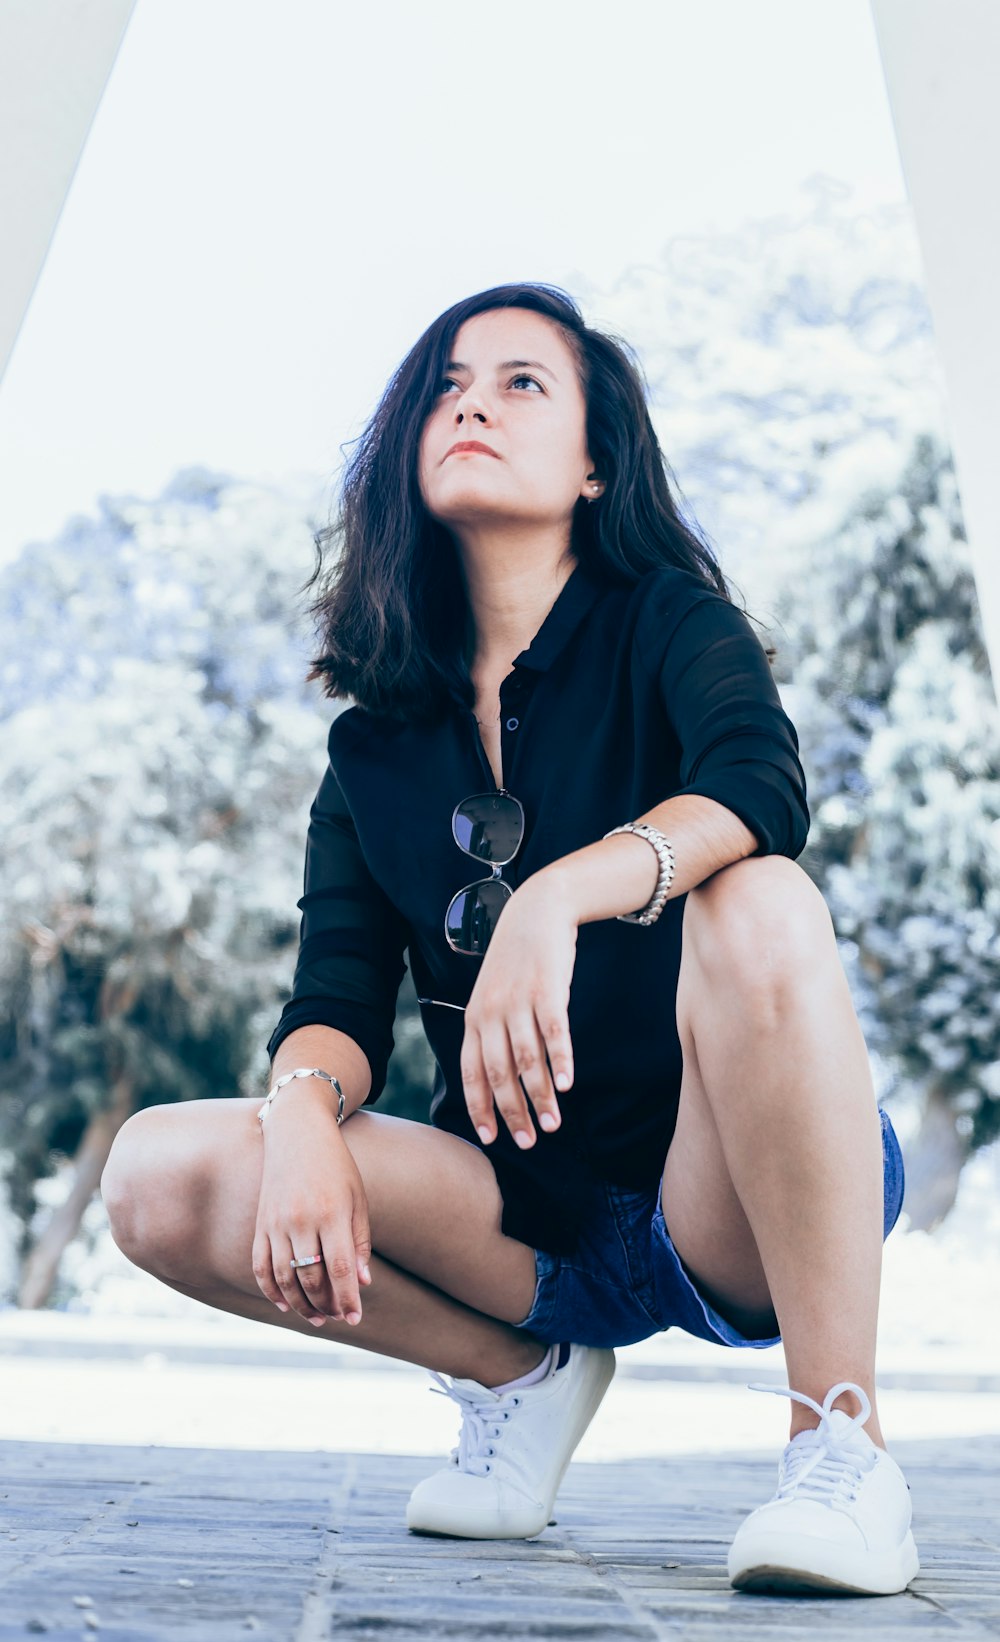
pixel 820 1464
pixel 482 1423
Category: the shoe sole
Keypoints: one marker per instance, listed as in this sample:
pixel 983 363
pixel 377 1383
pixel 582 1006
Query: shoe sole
pixel 803 1564
pixel 601 1372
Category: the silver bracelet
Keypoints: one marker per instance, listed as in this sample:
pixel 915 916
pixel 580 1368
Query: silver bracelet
pixel 665 856
pixel 303 1072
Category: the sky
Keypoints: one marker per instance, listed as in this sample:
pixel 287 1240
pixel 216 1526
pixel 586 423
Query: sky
pixel 274 201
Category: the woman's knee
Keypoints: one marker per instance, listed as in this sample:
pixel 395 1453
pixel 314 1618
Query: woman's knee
pixel 151 1181
pixel 759 924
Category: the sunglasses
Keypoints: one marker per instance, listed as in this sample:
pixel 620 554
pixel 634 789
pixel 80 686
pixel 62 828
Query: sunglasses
pixel 489 827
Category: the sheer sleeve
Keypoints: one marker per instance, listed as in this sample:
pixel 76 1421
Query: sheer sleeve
pixel 738 745
pixel 351 941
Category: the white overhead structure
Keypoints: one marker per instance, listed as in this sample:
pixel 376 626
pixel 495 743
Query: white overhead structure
pixel 940 59
pixel 55 60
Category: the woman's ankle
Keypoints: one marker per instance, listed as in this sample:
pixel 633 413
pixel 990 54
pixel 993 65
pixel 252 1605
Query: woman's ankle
pixel 810 1422
pixel 532 1377
pixel 501 1366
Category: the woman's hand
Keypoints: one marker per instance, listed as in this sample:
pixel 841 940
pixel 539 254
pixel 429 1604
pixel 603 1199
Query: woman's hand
pixel 518 1010
pixel 312 1200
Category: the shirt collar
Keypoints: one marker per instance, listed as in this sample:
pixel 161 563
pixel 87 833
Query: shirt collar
pixel 578 594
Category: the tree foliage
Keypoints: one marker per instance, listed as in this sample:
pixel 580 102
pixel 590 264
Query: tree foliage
pixel 901 743
pixel 158 754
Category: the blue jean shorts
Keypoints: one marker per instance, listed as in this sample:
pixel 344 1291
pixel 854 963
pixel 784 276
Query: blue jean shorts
pixel 625 1280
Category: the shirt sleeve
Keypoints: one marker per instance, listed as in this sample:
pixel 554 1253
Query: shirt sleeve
pixel 738 745
pixel 351 941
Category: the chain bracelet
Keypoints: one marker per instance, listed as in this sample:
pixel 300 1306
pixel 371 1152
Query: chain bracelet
pixel 303 1072
pixel 665 857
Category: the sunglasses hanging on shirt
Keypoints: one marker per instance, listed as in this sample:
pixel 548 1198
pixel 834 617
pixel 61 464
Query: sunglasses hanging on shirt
pixel 489 827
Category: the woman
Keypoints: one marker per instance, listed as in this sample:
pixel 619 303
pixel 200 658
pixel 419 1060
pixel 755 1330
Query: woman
pixel 544 657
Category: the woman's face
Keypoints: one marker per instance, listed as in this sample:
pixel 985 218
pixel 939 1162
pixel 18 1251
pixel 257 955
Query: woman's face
pixel 531 415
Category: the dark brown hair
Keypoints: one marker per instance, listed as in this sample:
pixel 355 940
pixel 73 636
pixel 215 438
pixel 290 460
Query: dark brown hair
pixel 391 608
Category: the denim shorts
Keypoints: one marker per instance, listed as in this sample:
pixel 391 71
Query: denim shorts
pixel 625 1280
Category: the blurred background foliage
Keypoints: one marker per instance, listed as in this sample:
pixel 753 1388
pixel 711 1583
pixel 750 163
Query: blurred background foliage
pixel 159 749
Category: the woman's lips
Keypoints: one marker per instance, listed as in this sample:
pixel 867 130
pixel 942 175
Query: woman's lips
pixel 471 449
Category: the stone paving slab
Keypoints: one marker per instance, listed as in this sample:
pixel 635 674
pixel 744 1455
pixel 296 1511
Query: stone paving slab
pixel 150 1543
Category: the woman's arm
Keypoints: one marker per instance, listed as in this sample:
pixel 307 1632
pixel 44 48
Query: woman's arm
pixel 339 1018
pixel 312 1197
pixel 349 967
pixel 619 874
pixel 743 789
pixel 332 1051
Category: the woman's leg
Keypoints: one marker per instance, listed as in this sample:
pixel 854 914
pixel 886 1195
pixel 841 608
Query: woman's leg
pixel 181 1186
pixel 773 1185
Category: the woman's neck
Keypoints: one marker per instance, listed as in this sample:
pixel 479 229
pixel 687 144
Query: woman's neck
pixel 508 608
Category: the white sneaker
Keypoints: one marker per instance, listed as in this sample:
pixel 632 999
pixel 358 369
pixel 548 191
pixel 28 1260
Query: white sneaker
pixel 840 1518
pixel 513 1450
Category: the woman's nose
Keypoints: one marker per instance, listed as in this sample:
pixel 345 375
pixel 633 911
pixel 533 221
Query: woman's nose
pixel 471 405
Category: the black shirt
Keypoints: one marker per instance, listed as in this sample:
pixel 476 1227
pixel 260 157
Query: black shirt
pixel 626 696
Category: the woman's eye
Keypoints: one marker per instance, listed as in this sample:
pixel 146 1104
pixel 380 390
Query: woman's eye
pixel 449 381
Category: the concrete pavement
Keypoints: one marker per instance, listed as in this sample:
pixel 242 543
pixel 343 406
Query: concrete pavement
pixel 155 1544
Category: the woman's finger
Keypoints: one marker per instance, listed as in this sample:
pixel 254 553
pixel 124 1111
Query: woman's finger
pixel 475 1084
pixel 503 1081
pixel 553 1025
pixel 342 1269
pixel 261 1260
pixel 361 1232
pixel 298 1293
pixel 312 1281
pixel 528 1050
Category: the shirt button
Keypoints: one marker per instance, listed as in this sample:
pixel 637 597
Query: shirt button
pixel 512 723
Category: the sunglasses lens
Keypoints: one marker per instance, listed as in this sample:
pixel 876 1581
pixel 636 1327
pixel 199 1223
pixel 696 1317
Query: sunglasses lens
pixel 490 827
pixel 473 913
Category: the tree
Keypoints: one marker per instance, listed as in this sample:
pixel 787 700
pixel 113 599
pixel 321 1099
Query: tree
pixel 902 750
pixel 158 755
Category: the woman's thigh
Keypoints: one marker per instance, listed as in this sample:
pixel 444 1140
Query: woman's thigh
pixel 183 1181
